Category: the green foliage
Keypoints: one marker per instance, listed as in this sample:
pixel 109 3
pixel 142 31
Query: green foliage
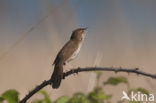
pixel 79 98
pixel 38 101
pixel 1 99
pixel 99 73
pixel 142 90
pixel 116 80
pixel 63 99
pixel 11 96
pixel 98 76
pixel 46 98
pixel 98 96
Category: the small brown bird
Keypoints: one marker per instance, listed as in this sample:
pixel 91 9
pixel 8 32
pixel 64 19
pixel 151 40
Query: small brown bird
pixel 66 54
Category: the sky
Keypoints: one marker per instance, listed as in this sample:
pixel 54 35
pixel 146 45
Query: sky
pixel 123 32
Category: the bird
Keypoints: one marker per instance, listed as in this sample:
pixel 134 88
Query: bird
pixel 69 51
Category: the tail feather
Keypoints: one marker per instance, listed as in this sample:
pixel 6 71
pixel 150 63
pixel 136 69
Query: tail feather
pixel 57 76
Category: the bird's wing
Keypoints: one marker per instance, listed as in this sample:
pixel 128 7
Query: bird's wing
pixel 66 52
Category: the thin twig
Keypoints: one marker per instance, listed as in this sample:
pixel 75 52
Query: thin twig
pixel 116 70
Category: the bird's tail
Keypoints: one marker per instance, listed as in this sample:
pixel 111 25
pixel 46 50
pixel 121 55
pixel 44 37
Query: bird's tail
pixel 57 75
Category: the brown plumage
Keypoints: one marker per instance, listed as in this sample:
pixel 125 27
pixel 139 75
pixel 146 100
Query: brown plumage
pixel 66 54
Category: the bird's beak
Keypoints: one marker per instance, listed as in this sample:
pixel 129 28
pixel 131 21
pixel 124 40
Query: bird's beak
pixel 85 32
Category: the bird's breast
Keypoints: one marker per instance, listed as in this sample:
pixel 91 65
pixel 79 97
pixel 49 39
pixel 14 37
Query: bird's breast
pixel 75 52
pixel 78 50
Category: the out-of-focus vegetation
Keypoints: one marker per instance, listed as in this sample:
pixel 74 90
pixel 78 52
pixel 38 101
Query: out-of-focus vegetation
pixel 97 95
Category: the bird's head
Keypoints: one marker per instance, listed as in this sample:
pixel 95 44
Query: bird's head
pixel 79 34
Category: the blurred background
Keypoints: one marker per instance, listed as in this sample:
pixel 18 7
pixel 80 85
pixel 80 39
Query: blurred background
pixel 120 33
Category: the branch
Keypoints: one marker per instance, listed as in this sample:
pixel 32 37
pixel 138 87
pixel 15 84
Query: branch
pixel 116 70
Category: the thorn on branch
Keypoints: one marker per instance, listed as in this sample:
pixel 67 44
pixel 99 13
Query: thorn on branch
pixel 73 71
pixel 154 77
pixel 116 71
pixel 136 69
pixel 77 71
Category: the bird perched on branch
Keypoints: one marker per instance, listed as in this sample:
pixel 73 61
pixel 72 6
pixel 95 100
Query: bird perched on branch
pixel 69 51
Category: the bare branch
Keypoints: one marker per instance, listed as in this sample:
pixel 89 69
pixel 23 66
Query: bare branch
pixel 31 93
pixel 116 70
